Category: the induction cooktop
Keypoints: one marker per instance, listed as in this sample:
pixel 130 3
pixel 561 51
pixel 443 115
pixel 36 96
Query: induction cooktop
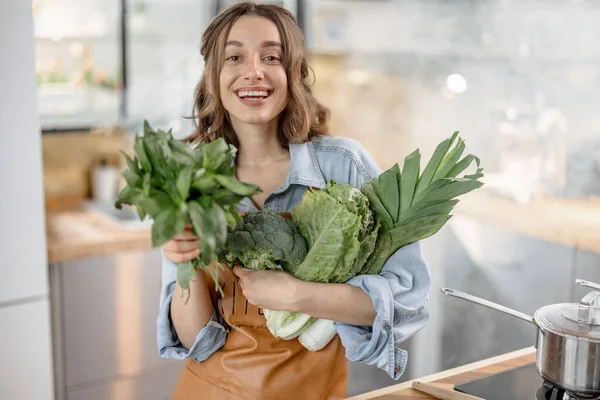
pixel 519 383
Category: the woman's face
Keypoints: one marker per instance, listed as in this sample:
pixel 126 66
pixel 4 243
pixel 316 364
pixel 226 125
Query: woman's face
pixel 253 81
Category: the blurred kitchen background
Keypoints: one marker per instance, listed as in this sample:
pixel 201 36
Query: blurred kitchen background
pixel 79 283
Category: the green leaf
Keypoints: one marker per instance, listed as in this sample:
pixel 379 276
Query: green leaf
pixel 129 196
pixel 225 197
pixel 462 165
pixel 140 152
pixel 146 185
pixel 182 153
pixel 215 153
pixel 444 207
pixel 203 223
pixel 131 164
pixel 440 183
pixel 218 223
pixel 147 128
pixel 450 160
pixel 205 183
pixel 382 214
pixel 168 223
pixel 408 181
pixel 417 229
pixel 198 154
pixel 231 216
pixel 156 203
pixel 132 178
pixel 141 211
pixel 451 190
pixel 433 163
pixel 185 271
pixel 184 179
pixel 157 181
pixel 237 187
pixel 205 201
pixel 158 159
pixel 390 192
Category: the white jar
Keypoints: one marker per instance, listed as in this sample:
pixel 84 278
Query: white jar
pixel 104 182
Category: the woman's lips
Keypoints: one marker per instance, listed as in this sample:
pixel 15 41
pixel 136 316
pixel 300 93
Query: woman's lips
pixel 253 98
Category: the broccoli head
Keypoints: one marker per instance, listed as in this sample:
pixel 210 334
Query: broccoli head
pixel 264 240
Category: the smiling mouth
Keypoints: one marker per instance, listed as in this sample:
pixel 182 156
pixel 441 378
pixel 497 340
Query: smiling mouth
pixel 253 94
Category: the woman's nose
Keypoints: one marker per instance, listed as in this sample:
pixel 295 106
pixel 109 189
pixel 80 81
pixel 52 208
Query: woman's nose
pixel 254 69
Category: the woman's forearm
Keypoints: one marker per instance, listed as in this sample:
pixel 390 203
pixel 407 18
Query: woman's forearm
pixel 338 302
pixel 189 318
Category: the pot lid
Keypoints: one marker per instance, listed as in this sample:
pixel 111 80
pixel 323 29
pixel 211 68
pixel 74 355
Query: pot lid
pixel 572 319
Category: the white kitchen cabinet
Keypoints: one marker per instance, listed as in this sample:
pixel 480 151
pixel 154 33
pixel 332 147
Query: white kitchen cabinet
pixel 25 352
pixel 108 308
pixel 157 385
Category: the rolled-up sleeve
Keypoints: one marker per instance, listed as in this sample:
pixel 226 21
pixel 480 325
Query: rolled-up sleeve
pixel 210 338
pixel 400 295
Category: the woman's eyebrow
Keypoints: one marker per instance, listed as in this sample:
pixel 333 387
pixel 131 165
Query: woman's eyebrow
pixel 268 43
pixel 271 43
pixel 235 43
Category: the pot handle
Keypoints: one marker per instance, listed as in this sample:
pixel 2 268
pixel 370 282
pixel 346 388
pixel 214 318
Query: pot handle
pixel 589 284
pixel 585 306
pixel 489 304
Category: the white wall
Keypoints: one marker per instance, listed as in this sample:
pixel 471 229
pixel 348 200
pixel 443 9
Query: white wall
pixel 25 342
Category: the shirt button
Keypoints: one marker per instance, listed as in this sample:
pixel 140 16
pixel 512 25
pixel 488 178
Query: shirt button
pixel 387 326
pixel 396 369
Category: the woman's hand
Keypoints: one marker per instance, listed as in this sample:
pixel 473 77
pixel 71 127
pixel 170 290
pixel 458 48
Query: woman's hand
pixel 183 247
pixel 273 290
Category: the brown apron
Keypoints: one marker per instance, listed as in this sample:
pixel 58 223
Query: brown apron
pixel 253 364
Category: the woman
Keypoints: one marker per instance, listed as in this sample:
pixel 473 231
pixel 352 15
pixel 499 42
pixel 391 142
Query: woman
pixel 254 93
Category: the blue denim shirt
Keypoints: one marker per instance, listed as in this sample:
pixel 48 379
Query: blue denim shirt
pixel 399 293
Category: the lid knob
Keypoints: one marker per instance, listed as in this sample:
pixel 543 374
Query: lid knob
pixel 589 310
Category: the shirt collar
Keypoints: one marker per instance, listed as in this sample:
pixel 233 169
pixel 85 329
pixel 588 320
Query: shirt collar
pixel 304 166
pixel 304 170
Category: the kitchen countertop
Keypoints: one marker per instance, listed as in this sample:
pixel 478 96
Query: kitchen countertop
pixel 570 222
pixel 447 379
pixel 82 233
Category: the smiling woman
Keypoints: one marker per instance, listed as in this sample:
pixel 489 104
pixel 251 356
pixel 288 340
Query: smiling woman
pixel 262 51
pixel 255 94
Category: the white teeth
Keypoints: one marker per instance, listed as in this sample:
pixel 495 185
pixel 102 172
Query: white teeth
pixel 252 93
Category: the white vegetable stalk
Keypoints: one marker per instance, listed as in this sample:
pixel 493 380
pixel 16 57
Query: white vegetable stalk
pixel 287 325
pixel 318 334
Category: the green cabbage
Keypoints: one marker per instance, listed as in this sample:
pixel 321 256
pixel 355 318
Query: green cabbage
pixel 340 230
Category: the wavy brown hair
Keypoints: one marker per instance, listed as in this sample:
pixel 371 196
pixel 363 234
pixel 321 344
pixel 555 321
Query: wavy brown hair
pixel 302 119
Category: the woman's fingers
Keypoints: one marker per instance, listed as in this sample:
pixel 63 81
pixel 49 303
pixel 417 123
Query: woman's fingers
pixel 186 234
pixel 184 246
pixel 181 246
pixel 181 257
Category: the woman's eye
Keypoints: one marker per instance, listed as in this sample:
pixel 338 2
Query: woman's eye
pixel 271 58
pixel 233 58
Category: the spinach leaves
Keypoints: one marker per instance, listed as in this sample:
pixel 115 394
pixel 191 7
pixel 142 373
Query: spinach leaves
pixel 174 184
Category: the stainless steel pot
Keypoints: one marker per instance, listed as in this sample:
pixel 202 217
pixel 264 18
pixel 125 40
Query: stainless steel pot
pixel 567 340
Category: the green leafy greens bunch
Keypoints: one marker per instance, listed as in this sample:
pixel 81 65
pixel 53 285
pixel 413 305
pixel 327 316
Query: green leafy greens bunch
pixel 174 184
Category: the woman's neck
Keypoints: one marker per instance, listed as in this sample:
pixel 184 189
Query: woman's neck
pixel 259 144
